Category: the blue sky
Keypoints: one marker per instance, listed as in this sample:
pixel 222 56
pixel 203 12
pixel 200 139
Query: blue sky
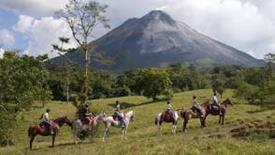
pixel 8 19
pixel 249 25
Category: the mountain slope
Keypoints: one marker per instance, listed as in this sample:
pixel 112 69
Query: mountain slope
pixel 155 40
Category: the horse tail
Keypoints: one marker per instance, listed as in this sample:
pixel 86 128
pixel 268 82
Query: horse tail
pixel 30 132
pixel 156 121
pixel 183 114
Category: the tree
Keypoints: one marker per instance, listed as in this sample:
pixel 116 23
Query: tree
pixel 155 82
pixel 270 74
pixel 218 83
pixel 82 17
pixel 23 81
pixel 248 92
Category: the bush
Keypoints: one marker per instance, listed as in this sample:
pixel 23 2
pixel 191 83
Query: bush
pixel 248 92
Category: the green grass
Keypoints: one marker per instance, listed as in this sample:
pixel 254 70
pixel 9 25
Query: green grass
pixel 142 135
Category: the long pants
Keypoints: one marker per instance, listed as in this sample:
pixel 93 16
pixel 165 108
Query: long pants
pixel 47 125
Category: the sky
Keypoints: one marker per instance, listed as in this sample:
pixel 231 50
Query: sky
pixel 248 25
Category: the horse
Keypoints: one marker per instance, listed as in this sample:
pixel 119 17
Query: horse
pixel 39 130
pixel 109 121
pixel 165 117
pixel 189 114
pixel 221 112
pixel 78 127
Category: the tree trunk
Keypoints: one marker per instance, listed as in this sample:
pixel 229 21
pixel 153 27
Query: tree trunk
pixel 67 94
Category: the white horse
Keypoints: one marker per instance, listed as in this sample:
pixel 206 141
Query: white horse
pixel 165 117
pixel 78 127
pixel 109 121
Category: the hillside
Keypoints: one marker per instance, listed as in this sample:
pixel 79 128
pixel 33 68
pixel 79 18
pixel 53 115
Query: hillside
pixel 156 39
pixel 142 136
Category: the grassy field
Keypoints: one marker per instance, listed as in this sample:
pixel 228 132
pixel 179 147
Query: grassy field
pixel 248 129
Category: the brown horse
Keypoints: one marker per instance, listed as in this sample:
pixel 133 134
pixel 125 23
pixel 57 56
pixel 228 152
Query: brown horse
pixel 189 114
pixel 38 130
pixel 221 111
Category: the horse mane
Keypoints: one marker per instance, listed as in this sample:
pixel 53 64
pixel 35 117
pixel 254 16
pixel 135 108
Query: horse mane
pixel 205 103
pixel 127 113
pixel 59 119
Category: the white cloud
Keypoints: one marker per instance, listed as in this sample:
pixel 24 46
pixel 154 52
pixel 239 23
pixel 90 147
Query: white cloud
pixel 36 8
pixel 42 33
pixel 6 38
pixel 24 24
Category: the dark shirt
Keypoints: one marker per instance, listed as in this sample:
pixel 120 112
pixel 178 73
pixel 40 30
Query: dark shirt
pixel 84 113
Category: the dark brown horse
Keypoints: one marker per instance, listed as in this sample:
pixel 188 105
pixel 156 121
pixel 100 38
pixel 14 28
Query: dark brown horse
pixel 39 130
pixel 206 110
pixel 221 111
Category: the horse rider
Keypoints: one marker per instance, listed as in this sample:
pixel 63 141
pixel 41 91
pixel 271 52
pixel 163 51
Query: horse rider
pixel 46 121
pixel 196 107
pixel 170 109
pixel 214 101
pixel 85 114
pixel 119 115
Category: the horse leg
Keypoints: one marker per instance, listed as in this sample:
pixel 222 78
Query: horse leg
pixel 220 119
pixel 53 139
pixel 223 119
pixel 159 129
pixel 174 129
pixel 104 135
pixel 201 121
pixel 125 133
pixel 204 119
pixel 122 133
pixel 106 132
pixel 185 125
pixel 31 141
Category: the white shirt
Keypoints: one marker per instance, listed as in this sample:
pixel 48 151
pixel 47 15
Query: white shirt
pixel 169 106
pixel 214 98
pixel 195 103
pixel 46 117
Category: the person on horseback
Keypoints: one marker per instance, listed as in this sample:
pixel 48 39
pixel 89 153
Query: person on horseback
pixel 46 121
pixel 119 115
pixel 214 102
pixel 85 114
pixel 170 109
pixel 196 107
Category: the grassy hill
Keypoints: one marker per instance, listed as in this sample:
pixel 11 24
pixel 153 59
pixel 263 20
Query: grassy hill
pixel 248 130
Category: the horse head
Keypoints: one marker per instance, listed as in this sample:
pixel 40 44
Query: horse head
pixel 101 116
pixel 63 120
pixel 227 103
pixel 130 115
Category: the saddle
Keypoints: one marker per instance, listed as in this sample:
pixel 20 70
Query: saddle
pixel 85 121
pixel 43 127
pixel 167 115
pixel 215 107
pixel 115 117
